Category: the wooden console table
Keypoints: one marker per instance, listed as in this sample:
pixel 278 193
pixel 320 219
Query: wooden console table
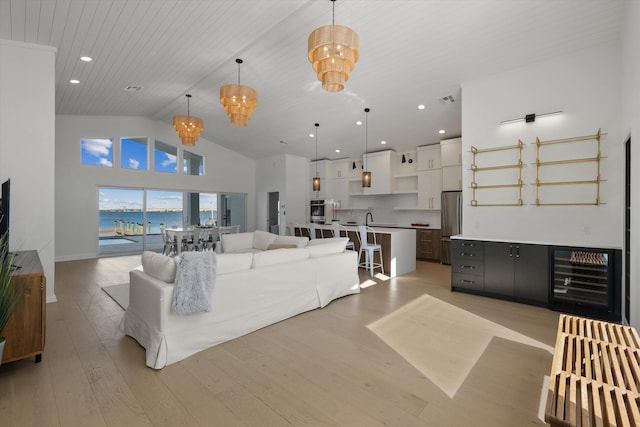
pixel 595 375
pixel 25 332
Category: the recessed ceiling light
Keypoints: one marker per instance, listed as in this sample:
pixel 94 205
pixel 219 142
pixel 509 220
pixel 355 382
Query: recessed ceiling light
pixel 359 123
pixel 311 135
pixel 86 58
pixel 421 107
pixel 74 81
pixel 337 150
pixel 383 142
pixel 441 131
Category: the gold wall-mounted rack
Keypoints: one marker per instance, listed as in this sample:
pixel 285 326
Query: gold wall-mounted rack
pixel 573 161
pixel 497 167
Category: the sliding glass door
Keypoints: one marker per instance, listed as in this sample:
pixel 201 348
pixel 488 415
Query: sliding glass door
pixel 130 219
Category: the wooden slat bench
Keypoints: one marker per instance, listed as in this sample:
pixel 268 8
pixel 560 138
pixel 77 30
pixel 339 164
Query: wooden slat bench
pixel 595 375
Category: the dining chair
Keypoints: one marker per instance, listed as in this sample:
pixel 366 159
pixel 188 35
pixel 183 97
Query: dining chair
pixel 170 247
pixel 369 250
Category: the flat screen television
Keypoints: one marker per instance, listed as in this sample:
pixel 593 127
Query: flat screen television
pixel 4 210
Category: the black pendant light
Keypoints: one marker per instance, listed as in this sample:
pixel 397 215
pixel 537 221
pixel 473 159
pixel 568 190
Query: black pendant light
pixel 316 179
pixel 366 175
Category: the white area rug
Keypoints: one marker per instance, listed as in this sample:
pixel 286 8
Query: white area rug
pixel 442 341
pixel 119 293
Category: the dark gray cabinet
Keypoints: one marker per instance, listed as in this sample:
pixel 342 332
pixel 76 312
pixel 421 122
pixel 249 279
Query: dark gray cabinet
pixel 513 271
pixel 518 271
pixel 467 265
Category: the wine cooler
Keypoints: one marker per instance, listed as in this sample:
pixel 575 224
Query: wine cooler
pixel 586 282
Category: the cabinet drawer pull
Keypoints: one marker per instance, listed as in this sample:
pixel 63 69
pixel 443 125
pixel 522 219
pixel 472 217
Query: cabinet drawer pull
pixel 465 254
pixel 466 244
pixel 470 267
pixel 471 282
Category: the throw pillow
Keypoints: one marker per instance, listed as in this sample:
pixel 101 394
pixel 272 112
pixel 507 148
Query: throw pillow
pixel 299 241
pixel 236 242
pixel 262 239
pixel 330 246
pixel 159 266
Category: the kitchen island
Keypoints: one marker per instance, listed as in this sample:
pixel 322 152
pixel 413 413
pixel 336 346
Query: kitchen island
pixel 398 246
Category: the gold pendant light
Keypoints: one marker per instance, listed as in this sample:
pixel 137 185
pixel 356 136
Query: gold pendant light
pixel 239 101
pixel 366 175
pixel 333 52
pixel 188 127
pixel 316 179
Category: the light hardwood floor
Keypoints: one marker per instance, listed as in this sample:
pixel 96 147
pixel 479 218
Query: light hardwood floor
pixel 323 367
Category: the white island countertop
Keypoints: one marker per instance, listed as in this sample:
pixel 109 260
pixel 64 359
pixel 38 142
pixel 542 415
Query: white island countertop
pixel 399 249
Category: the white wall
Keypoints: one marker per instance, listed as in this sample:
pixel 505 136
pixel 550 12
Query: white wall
pixel 27 127
pixel 76 189
pixel 270 177
pixel 585 86
pixel 631 126
pixel 288 175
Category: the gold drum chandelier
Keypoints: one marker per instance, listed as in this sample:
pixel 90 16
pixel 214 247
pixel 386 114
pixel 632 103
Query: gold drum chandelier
pixel 188 127
pixel 239 101
pixel 366 175
pixel 333 52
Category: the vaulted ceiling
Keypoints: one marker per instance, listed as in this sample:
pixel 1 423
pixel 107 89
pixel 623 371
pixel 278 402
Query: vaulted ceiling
pixel 411 52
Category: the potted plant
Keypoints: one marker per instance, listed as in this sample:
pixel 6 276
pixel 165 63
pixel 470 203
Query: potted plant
pixel 9 293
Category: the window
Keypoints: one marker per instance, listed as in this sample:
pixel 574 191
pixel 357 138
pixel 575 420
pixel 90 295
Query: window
pixel 193 164
pixel 165 158
pixel 97 152
pixel 120 220
pixel 133 153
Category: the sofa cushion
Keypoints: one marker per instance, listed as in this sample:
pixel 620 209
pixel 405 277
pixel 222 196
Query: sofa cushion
pixel 230 263
pixel 262 239
pixel 299 241
pixel 159 266
pixel 279 256
pixel 237 242
pixel 324 247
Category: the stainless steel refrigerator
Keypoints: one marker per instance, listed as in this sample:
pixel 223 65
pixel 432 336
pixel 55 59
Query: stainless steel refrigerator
pixel 451 222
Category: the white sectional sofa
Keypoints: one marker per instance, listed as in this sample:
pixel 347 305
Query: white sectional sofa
pixel 254 288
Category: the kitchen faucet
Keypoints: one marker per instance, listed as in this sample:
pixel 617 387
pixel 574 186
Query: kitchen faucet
pixel 366 222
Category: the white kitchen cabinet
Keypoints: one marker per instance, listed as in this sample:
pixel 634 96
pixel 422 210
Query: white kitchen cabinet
pixel 429 157
pixel 451 178
pixel 429 189
pixel 451 152
pixel 379 164
pixel 340 192
pixel 337 169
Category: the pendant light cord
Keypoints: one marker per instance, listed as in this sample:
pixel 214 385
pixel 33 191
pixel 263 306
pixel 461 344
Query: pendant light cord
pixel 317 127
pixel 366 136
pixel 188 111
pixel 239 61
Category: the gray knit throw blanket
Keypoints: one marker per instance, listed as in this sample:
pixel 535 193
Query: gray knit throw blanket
pixel 195 280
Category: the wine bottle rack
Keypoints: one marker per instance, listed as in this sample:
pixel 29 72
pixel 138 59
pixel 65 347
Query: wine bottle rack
pixel 583 280
pixel 497 166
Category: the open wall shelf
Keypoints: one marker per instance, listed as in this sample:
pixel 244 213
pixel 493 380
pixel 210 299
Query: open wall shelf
pixel 559 171
pixel 503 182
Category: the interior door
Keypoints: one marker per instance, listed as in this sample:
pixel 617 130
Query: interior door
pixel 273 212
pixel 232 210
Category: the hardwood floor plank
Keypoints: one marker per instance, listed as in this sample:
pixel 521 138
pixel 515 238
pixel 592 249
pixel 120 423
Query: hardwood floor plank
pixel 73 394
pixel 323 367
pixel 249 409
